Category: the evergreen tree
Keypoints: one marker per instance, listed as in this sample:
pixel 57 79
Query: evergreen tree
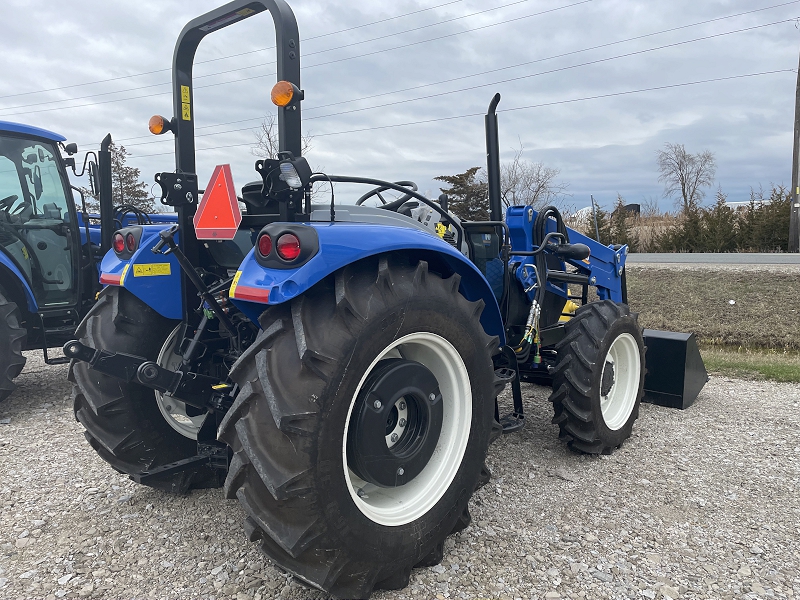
pixel 621 232
pixel 126 187
pixel 603 226
pixel 468 195
pixel 686 235
pixel 719 226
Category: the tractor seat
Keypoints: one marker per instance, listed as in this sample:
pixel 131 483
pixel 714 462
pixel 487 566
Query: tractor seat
pixel 256 202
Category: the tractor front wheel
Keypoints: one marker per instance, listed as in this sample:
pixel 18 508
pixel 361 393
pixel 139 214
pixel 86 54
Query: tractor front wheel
pixel 124 421
pixel 12 340
pixel 362 425
pixel 598 383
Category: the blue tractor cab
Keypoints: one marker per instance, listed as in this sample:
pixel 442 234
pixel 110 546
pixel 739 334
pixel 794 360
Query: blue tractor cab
pixel 49 246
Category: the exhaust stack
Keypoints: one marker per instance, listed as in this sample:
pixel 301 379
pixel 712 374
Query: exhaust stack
pixel 493 161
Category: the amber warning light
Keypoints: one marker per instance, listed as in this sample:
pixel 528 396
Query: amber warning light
pixel 285 93
pixel 158 125
pixel 218 215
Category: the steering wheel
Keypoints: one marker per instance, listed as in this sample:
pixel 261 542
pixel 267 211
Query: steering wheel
pixel 8 201
pixel 377 192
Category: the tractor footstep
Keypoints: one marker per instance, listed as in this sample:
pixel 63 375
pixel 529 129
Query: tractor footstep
pixel 512 422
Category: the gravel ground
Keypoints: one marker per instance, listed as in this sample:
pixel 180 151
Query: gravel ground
pixel 701 503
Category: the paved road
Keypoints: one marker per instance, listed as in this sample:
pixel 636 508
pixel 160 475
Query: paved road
pixel 716 259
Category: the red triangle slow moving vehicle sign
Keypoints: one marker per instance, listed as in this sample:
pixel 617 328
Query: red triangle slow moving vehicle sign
pixel 218 216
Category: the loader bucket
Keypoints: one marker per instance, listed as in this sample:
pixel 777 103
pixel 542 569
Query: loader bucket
pixel 675 370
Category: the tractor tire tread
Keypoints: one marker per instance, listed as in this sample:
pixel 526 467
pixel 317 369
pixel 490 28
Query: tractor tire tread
pixel 579 352
pixel 12 341
pixel 274 432
pixel 122 421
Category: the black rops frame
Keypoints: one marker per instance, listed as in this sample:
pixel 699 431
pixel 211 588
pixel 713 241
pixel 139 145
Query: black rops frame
pixel 288 69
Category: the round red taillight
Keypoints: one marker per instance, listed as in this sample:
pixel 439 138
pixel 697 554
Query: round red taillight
pixel 288 246
pixel 130 242
pixel 264 245
pixel 118 243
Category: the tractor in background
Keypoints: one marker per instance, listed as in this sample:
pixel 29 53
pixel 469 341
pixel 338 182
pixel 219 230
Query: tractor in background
pixel 49 249
pixel 336 367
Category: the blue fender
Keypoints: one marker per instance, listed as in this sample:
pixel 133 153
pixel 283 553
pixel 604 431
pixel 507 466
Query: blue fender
pixel 153 278
pixel 343 243
pixel 23 281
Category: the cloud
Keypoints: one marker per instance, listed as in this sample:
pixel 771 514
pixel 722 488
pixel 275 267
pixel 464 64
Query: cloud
pixel 603 146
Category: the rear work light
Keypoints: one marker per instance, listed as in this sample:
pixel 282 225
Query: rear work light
pixel 264 245
pixel 118 243
pixel 130 242
pixel 288 246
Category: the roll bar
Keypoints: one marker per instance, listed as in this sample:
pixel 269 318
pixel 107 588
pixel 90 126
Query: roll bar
pixel 288 54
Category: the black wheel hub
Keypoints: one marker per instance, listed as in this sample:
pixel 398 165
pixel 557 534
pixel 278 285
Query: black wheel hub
pixel 608 379
pixel 395 424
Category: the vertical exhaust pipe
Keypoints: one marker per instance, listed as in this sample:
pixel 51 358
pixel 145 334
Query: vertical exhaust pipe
pixel 493 161
pixel 105 195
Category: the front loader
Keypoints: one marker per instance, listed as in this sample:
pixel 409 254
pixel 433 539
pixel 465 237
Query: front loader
pixel 336 366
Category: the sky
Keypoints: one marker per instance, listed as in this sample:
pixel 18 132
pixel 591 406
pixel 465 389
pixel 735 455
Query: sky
pixel 396 90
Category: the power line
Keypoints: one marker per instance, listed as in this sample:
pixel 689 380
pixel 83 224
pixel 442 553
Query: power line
pixel 444 81
pixel 197 77
pixel 347 58
pixel 530 106
pixel 528 76
pixel 65 87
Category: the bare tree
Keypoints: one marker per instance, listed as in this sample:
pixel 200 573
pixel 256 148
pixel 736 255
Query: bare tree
pixel 530 183
pixel 684 174
pixel 267 139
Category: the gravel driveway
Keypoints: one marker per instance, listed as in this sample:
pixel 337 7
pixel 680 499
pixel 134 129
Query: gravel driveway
pixel 702 503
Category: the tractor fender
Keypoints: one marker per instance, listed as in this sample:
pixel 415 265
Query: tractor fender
pixel 344 243
pixel 153 278
pixel 10 270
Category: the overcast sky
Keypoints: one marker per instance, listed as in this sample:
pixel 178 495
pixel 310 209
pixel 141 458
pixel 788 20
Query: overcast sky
pixel 455 55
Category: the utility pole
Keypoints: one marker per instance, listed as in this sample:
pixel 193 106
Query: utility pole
pixel 794 215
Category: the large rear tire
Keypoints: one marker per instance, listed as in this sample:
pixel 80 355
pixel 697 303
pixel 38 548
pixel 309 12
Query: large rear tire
pixel 123 421
pixel 12 341
pixel 318 435
pixel 598 383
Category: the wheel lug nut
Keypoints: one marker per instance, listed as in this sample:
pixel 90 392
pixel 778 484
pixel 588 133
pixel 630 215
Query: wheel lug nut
pixel 432 397
pixel 402 405
pixel 394 437
pixel 377 404
pixel 402 423
pixel 168 407
pixel 400 471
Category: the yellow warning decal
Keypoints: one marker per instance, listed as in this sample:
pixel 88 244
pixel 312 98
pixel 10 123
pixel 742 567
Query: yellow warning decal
pixel 440 230
pixel 221 386
pixel 245 12
pixel 186 107
pixel 151 270
pixel 25 253
pixel 234 283
pixel 124 272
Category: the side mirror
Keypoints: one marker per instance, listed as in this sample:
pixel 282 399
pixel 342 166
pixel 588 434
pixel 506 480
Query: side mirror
pixel 71 148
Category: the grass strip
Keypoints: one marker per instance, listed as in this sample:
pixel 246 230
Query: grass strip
pixel 752 363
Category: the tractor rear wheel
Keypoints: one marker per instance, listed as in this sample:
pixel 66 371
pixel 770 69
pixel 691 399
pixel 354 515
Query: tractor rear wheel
pixel 123 421
pixel 362 425
pixel 12 340
pixel 598 383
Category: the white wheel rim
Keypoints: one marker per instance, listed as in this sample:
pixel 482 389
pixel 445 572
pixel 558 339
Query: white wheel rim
pixel 173 410
pixel 618 403
pixel 403 504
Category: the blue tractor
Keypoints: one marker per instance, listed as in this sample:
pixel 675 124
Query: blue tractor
pixel 336 366
pixel 49 249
